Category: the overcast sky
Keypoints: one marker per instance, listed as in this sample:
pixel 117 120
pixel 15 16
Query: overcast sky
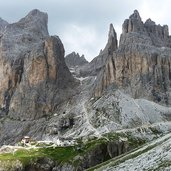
pixel 83 25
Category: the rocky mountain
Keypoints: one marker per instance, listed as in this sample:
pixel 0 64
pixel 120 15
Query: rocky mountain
pixel 3 24
pixel 126 89
pixel 141 64
pixel 74 59
pixel 115 103
pixel 34 76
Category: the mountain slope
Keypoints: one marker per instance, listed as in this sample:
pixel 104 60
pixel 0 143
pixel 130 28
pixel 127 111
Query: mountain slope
pixel 126 87
pixel 34 77
pixel 153 156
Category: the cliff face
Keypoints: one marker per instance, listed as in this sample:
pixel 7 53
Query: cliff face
pixel 34 76
pixel 141 65
pixel 3 24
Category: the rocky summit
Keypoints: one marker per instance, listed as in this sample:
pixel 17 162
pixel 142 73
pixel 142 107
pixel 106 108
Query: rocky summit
pixel 34 76
pixel 141 64
pixel 78 114
pixel 74 59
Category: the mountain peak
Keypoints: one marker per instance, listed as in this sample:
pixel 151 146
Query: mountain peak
pixel 74 59
pixel 133 24
pixel 3 23
pixel 35 12
pixel 112 43
pixel 135 15
pixel 35 20
pixel 35 15
pixel 150 22
pixel 112 32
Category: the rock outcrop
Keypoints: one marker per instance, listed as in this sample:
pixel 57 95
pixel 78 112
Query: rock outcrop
pixel 141 65
pixel 134 30
pixel 74 59
pixel 94 67
pixel 112 43
pixel 34 76
pixel 3 24
pixel 38 95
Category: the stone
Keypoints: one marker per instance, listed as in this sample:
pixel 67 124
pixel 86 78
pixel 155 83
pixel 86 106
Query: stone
pixel 3 24
pixel 147 32
pixel 112 43
pixel 133 24
pixel 33 73
pixel 94 67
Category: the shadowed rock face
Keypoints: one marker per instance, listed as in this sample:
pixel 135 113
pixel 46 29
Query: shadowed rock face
pixel 141 65
pixel 34 76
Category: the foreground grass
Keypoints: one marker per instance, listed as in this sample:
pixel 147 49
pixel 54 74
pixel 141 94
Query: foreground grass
pixel 68 154
pixel 27 156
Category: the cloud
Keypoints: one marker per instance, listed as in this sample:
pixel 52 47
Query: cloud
pixel 82 39
pixel 157 11
pixel 83 24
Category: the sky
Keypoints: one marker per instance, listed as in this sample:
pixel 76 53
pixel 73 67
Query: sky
pixel 83 25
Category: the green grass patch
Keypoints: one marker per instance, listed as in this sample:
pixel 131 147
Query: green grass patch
pixel 60 154
pixel 68 154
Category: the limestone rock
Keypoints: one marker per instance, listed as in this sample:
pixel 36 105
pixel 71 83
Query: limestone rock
pixel 148 32
pixel 3 24
pixel 74 59
pixel 133 24
pixel 158 34
pixel 141 65
pixel 34 76
pixel 112 43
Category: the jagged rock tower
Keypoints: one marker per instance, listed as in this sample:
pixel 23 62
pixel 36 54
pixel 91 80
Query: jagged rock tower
pixel 34 76
pixel 74 59
pixel 141 64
